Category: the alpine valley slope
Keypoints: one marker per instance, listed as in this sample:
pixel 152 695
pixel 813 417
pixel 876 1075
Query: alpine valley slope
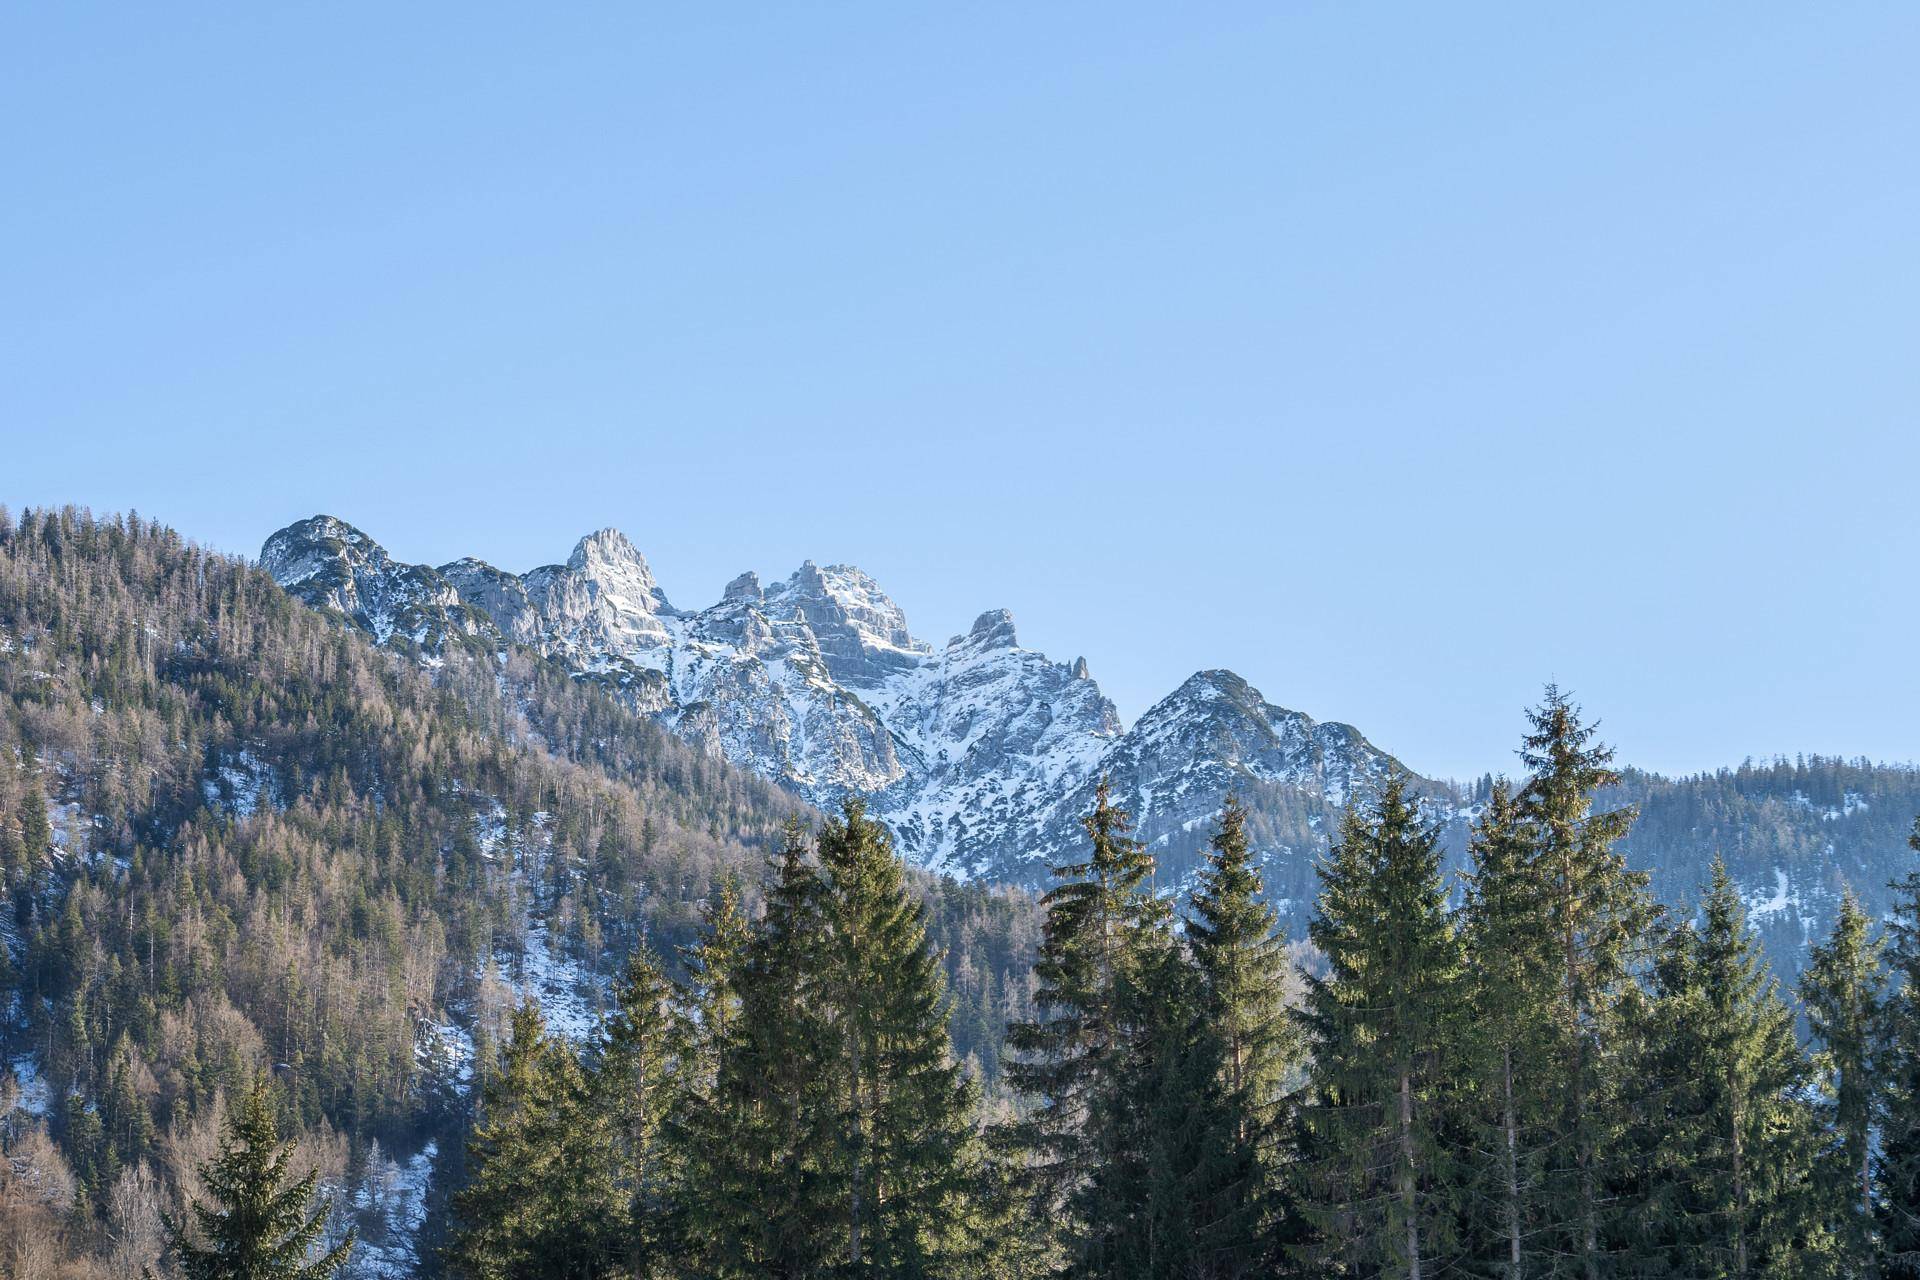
pixel 982 755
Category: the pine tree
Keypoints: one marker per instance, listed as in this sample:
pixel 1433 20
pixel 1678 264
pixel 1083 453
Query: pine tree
pixel 542 1198
pixel 1242 967
pixel 1507 931
pixel 1381 1023
pixel 1841 992
pixel 1067 1058
pixel 1729 1139
pixel 1600 916
pixel 1897 1173
pixel 906 1123
pixel 711 996
pixel 636 1081
pixel 765 1191
pixel 260 1226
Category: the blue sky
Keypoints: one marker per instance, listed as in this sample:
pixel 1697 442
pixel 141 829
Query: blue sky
pixel 1401 358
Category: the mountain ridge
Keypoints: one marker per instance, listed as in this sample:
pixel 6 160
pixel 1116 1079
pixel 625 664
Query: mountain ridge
pixel 974 751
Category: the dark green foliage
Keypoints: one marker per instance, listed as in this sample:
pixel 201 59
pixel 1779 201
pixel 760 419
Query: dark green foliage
pixel 1897 1066
pixel 1599 915
pixel 1511 982
pixel 905 1121
pixel 1382 1028
pixel 1841 992
pixel 1727 1139
pixel 261 1225
pixel 766 1195
pixel 1243 972
pixel 542 1200
pixel 1069 1054
pixel 636 1082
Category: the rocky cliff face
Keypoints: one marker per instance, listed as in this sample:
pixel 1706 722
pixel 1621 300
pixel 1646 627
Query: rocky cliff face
pixel 982 754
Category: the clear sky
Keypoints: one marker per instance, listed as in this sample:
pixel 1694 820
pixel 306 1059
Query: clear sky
pixel 1400 357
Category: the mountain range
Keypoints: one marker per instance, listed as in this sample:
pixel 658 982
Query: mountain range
pixel 982 754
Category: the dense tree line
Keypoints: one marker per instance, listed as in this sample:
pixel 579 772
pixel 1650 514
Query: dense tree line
pixel 1527 1069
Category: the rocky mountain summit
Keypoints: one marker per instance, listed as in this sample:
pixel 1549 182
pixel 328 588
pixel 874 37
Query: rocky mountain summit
pixel 981 754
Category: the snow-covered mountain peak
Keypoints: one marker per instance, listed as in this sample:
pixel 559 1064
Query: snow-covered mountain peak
pixel 615 567
pixel 862 632
pixel 991 630
pixel 744 587
pixel 331 564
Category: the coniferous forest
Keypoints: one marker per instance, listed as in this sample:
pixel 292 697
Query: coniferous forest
pixel 286 913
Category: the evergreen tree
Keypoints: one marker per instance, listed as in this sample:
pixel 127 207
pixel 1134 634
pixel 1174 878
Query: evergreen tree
pixel 1178 1193
pixel 1600 916
pixel 636 1080
pixel 1381 1023
pixel 766 1195
pixel 542 1201
pixel 1729 1138
pixel 261 1226
pixel 1897 1173
pixel 1067 1057
pixel 905 1122
pixel 1841 992
pixel 1243 969
pixel 711 995
pixel 1507 931
pixel 1242 966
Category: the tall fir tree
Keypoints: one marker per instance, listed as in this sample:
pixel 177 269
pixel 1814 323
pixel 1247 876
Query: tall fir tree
pixel 1600 915
pixel 710 997
pixel 542 1199
pixel 1897 1172
pixel 1507 931
pixel 1243 966
pixel 1729 1138
pixel 907 1142
pixel 766 1193
pixel 1066 1060
pixel 1243 971
pixel 637 1081
pixel 1841 991
pixel 261 1224
pixel 1381 1024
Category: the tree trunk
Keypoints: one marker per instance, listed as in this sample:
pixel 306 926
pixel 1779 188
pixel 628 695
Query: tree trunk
pixel 1739 1197
pixel 1408 1191
pixel 1514 1271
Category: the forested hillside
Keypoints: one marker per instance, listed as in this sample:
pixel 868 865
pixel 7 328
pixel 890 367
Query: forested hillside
pixel 234 834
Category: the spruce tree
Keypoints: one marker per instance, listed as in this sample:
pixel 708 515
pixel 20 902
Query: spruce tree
pixel 1729 1138
pixel 906 1136
pixel 1381 1023
pixel 766 1196
pixel 1507 931
pixel 1242 968
pixel 261 1225
pixel 542 1200
pixel 1897 1173
pixel 711 997
pixel 1841 992
pixel 1600 915
pixel 636 1080
pixel 1067 1059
